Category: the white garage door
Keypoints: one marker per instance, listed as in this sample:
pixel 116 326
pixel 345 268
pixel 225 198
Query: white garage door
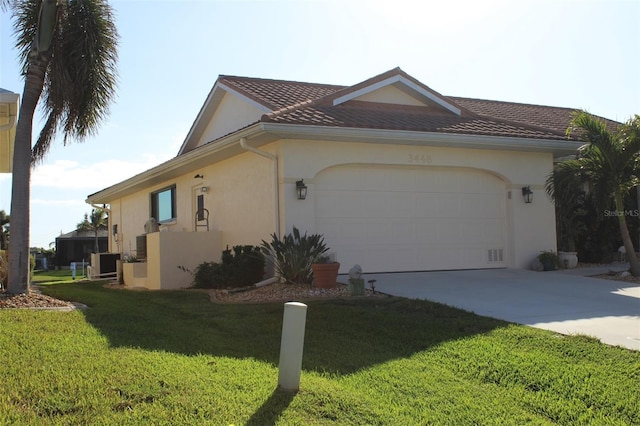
pixel 405 218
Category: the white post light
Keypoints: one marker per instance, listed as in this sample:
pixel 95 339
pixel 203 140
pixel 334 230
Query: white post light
pixel 291 345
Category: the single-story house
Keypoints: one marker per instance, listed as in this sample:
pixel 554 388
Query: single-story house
pixel 397 178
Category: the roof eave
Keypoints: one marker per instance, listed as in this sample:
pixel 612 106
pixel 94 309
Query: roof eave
pixel 190 161
pixel 230 145
pixel 405 137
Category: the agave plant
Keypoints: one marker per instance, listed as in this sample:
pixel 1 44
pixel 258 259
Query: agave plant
pixel 293 255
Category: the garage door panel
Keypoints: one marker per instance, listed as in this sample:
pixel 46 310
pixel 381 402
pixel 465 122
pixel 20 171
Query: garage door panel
pixel 411 218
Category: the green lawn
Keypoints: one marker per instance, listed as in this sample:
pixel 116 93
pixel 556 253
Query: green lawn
pixel 63 275
pixel 175 358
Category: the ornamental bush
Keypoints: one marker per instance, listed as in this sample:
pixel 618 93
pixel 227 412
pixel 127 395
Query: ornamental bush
pixel 293 255
pixel 241 266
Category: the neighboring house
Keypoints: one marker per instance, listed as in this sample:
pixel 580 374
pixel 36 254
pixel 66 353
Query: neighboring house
pixel 77 246
pixel 398 177
pixel 9 103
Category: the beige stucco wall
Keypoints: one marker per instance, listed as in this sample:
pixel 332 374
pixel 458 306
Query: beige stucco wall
pixel 232 114
pixel 134 274
pixel 240 201
pixel 241 194
pixel 166 251
pixel 530 227
pixel 390 95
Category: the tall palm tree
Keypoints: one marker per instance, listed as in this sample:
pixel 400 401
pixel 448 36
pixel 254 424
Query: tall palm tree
pixel 97 221
pixel 4 229
pixel 609 164
pixel 68 50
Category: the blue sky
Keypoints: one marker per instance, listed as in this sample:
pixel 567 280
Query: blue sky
pixel 571 53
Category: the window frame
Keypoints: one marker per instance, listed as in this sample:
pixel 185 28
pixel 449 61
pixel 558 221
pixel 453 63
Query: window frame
pixel 155 204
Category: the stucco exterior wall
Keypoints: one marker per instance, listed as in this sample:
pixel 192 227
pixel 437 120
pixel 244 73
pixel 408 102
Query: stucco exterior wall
pixel 530 227
pixel 169 250
pixel 232 114
pixel 239 198
pixel 390 95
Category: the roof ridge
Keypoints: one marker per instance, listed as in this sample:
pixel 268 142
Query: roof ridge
pixel 290 108
pixel 272 80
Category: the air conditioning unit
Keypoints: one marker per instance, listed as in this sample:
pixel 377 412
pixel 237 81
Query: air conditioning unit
pixel 103 265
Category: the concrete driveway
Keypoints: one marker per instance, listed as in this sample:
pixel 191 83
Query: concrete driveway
pixel 563 301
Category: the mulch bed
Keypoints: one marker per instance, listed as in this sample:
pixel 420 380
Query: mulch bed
pixel 32 300
pixel 279 292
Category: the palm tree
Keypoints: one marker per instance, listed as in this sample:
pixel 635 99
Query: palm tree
pixel 68 50
pixel 608 164
pixel 4 230
pixel 96 222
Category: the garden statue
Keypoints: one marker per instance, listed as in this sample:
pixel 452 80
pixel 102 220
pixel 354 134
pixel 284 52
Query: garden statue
pixel 356 282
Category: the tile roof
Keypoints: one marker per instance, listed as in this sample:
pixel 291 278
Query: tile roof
pixel 379 116
pixel 278 94
pixel 299 103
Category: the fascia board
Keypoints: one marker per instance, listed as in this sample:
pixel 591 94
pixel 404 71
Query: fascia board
pixel 7 97
pixel 213 99
pixel 208 110
pixel 450 140
pixel 397 79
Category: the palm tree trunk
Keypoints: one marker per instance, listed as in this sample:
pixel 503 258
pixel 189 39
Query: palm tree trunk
pixel 626 239
pixel 19 269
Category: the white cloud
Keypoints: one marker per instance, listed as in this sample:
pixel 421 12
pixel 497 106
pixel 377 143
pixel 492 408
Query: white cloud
pixel 75 175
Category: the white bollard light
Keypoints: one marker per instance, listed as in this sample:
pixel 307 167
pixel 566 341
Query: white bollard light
pixel 291 345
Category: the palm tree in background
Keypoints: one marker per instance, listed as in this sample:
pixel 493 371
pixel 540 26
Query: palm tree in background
pixel 97 221
pixel 608 164
pixel 68 51
pixel 4 230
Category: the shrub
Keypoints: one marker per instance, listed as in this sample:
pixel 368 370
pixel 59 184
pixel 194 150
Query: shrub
pixel 293 255
pixel 548 259
pixel 240 267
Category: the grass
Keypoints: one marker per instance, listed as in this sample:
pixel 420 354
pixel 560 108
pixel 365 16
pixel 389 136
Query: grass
pixel 175 358
pixel 60 276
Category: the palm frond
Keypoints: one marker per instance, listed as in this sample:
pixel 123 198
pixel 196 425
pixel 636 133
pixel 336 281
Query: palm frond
pixel 25 23
pixel 81 76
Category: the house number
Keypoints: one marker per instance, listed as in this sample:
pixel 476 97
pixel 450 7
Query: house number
pixel 419 159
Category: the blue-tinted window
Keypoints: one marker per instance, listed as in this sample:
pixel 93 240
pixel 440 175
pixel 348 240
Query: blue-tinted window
pixel 163 204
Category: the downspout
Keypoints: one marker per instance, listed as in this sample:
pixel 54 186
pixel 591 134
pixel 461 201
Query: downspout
pixel 276 196
pixel 276 192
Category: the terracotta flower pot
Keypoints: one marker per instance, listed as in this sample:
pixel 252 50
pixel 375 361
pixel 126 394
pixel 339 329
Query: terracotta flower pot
pixel 325 274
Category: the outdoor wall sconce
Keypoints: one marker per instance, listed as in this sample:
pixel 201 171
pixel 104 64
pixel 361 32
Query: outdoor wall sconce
pixel 198 176
pixel 527 194
pixel 204 189
pixel 301 189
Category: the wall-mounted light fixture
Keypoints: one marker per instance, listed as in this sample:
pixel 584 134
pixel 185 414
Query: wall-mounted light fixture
pixel 198 176
pixel 301 189
pixel 204 189
pixel 527 194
